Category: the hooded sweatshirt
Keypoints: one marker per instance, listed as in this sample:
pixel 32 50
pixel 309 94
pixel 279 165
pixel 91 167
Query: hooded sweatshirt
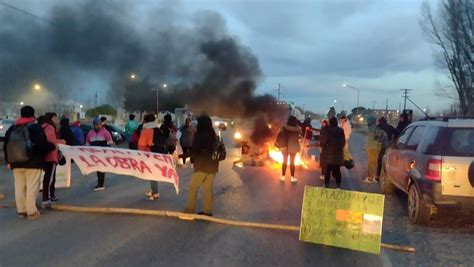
pixel 37 137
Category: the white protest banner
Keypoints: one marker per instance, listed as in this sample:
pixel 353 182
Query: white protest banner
pixel 140 164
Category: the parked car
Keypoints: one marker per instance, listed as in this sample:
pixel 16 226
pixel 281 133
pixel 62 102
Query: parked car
pixel 433 162
pixel 4 125
pixel 118 134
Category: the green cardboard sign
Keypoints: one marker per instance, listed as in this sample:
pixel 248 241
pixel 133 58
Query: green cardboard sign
pixel 340 218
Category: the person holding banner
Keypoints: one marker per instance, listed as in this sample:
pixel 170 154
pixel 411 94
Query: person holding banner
pixel 99 136
pixel 50 126
pixel 205 168
pixel 152 139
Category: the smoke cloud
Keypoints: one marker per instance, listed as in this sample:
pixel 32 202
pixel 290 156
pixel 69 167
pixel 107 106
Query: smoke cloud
pixel 89 46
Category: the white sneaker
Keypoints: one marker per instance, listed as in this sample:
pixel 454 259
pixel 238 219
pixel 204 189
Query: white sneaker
pixel 321 177
pixel 293 179
pixel 282 178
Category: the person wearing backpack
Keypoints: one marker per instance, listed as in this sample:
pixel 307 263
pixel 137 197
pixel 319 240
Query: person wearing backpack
pixel 384 134
pixel 152 139
pixel 333 142
pixel 170 130
pixel 99 136
pixel 51 160
pixel 205 165
pixel 291 131
pixel 25 148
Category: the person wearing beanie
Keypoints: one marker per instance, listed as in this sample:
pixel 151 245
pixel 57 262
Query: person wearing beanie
pixel 333 140
pixel 26 171
pixel 99 136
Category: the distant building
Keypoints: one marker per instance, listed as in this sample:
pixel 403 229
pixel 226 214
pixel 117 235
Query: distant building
pixel 391 115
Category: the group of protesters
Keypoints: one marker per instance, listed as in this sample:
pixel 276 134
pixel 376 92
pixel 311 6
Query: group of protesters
pixel 334 145
pixel 31 149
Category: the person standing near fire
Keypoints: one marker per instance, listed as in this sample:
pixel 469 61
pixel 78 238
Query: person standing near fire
pixel 346 126
pixel 291 133
pixel 322 153
pixel 333 141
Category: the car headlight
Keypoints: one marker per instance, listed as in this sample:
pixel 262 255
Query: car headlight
pixel 225 123
pixel 216 123
pixel 115 134
pixel 238 135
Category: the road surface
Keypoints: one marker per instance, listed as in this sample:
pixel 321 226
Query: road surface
pixel 248 193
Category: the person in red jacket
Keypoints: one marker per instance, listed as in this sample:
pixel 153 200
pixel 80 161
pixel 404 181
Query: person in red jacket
pixel 50 127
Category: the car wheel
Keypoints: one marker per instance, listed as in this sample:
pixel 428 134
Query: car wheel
pixel 386 186
pixel 418 212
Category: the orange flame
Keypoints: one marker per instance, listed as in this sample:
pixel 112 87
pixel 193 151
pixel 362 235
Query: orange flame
pixel 277 156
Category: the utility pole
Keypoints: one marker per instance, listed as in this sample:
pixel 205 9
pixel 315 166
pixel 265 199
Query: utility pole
pixel 405 96
pixel 386 105
pixel 373 104
pixel 96 96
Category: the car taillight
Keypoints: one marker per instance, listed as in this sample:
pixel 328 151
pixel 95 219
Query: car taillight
pixel 434 169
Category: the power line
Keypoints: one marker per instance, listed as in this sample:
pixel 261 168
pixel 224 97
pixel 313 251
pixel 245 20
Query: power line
pixel 28 13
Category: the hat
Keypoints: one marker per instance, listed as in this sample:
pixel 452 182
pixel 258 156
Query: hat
pixel 27 112
pixel 96 121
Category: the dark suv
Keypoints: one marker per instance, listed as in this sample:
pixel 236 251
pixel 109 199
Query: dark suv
pixel 433 162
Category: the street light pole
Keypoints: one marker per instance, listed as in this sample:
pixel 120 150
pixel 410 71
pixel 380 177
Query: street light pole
pixel 158 99
pixel 358 93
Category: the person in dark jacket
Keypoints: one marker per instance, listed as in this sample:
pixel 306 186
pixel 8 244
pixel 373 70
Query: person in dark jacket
pixel 28 174
pixel 307 129
pixel 292 147
pixel 65 132
pixel 322 153
pixel 384 134
pixel 402 124
pixel 333 141
pixel 186 140
pixel 205 168
pixel 169 129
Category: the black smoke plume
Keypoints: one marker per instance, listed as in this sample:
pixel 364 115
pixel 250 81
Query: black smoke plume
pixel 81 47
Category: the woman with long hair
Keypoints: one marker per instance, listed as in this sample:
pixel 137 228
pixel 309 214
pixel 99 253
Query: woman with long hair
pixel 292 133
pixel 65 132
pixel 50 125
pixel 205 168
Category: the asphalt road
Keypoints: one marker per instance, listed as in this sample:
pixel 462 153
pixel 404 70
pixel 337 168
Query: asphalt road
pixel 247 193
